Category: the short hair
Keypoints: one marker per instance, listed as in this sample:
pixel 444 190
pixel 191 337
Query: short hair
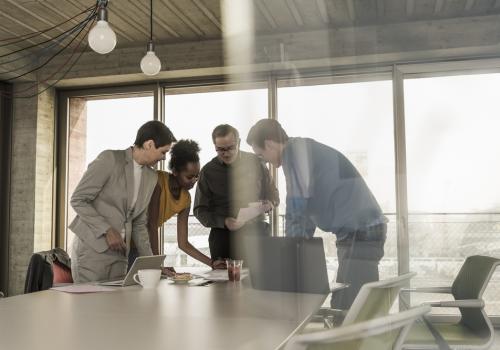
pixel 182 153
pixel 223 130
pixel 156 131
pixel 266 129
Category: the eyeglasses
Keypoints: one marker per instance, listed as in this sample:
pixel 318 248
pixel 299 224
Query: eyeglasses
pixel 225 149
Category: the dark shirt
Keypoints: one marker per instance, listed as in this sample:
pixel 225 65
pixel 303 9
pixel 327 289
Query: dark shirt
pixel 223 189
pixel 325 190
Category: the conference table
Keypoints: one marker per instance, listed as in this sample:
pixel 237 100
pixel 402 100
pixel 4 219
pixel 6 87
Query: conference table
pixel 223 315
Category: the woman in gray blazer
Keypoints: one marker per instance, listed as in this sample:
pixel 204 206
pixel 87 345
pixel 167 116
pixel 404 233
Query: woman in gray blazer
pixel 111 202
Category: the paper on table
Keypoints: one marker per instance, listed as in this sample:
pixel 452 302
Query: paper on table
pixel 83 288
pixel 246 214
pixel 221 275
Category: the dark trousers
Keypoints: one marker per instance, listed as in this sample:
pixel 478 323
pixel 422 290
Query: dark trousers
pixel 132 255
pixel 225 244
pixel 359 255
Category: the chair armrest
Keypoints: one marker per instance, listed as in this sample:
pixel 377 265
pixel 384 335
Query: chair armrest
pixel 466 303
pixel 441 290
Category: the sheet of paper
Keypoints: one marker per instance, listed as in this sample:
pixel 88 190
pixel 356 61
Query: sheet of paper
pixel 221 275
pixel 83 288
pixel 246 214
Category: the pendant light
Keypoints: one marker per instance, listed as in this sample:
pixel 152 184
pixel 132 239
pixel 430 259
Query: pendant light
pixel 102 39
pixel 150 63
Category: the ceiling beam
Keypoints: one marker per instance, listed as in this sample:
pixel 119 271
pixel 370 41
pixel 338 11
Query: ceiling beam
pixel 410 7
pixel 161 23
pixel 351 10
pixel 438 7
pixel 81 7
pixel 292 6
pixel 380 9
pixel 32 14
pixel 5 67
pixel 380 42
pixel 323 11
pixel 183 17
pixel 208 13
pixel 469 4
pixel 27 26
pixel 266 13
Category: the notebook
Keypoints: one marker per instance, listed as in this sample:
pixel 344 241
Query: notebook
pixel 140 263
pixel 287 264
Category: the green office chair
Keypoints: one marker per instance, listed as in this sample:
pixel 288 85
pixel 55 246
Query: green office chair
pixel 383 333
pixel 474 330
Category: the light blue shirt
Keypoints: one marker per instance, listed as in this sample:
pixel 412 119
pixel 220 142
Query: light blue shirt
pixel 325 190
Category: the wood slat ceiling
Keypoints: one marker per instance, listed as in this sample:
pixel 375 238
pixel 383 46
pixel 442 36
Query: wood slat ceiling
pixel 198 20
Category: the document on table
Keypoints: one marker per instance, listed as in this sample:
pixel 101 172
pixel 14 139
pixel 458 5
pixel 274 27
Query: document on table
pixel 83 288
pixel 220 275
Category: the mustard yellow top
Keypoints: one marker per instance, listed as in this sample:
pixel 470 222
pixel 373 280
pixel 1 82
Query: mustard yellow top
pixel 169 206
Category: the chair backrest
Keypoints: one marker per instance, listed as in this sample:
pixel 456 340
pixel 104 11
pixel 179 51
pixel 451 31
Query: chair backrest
pixel 383 333
pixel 470 283
pixel 39 275
pixel 46 268
pixel 375 299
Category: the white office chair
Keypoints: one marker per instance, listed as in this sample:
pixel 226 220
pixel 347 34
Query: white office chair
pixel 374 299
pixel 383 333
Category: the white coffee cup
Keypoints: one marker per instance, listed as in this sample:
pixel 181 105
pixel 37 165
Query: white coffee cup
pixel 148 278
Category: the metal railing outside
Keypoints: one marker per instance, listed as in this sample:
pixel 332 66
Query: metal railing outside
pixel 439 243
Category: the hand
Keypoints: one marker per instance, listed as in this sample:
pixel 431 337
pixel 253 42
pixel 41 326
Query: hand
pixel 267 206
pixel 115 241
pixel 219 264
pixel 168 271
pixel 232 224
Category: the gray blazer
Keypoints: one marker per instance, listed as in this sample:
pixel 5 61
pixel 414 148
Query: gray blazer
pixel 102 200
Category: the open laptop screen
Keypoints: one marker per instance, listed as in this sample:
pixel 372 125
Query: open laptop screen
pixel 287 264
pixel 140 263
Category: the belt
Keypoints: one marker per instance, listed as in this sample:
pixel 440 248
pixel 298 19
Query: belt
pixel 371 233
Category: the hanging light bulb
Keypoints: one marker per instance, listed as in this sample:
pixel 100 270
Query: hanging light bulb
pixel 150 63
pixel 102 39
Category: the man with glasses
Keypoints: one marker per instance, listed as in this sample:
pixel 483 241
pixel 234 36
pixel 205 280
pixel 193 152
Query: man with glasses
pixel 232 180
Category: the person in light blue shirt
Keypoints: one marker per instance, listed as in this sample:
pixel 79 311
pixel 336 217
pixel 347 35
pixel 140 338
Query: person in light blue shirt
pixel 325 190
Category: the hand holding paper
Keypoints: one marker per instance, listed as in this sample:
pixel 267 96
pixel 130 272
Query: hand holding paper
pixel 253 210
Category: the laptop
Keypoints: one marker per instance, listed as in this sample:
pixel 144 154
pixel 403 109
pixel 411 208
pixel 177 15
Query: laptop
pixel 287 264
pixel 140 263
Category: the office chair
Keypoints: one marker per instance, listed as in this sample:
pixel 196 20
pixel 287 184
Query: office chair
pixel 382 333
pixel 474 331
pixel 46 269
pixel 374 299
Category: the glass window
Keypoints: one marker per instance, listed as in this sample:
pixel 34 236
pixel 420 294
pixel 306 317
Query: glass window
pixel 452 141
pixel 98 124
pixel 193 113
pixel 356 118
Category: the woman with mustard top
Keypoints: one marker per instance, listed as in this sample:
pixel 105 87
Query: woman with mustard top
pixel 171 197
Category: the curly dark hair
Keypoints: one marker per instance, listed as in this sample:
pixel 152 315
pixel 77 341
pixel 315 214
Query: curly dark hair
pixel 183 152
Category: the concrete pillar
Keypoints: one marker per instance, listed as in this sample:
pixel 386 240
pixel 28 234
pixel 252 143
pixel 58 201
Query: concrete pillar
pixel 77 150
pixel 31 181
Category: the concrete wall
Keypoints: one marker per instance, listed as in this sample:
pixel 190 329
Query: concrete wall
pixel 77 150
pixel 31 182
pixel 44 172
pixel 23 176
